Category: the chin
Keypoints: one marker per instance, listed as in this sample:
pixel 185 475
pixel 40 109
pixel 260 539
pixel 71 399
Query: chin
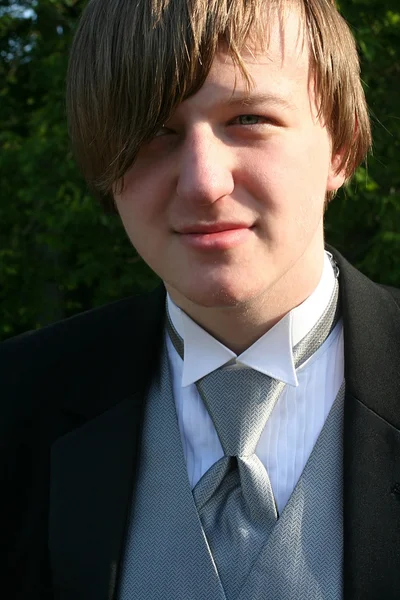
pixel 217 295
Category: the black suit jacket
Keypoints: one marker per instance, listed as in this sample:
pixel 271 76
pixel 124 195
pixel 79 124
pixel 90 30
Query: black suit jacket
pixel 72 398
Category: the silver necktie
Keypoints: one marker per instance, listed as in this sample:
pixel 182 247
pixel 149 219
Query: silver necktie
pixel 234 497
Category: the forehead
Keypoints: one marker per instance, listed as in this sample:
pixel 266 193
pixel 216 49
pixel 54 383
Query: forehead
pixel 278 67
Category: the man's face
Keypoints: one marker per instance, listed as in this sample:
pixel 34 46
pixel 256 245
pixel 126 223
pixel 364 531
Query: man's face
pixel 227 200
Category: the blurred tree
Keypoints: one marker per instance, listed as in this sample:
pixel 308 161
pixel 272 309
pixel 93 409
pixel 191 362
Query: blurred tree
pixel 364 220
pixel 59 254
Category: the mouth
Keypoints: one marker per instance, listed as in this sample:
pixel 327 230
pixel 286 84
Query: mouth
pixel 215 236
pixel 209 228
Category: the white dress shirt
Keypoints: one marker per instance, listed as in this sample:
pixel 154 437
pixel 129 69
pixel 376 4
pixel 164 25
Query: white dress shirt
pixel 300 412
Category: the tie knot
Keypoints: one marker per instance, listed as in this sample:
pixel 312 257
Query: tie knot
pixel 239 401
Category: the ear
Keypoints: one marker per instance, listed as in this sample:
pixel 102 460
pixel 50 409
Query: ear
pixel 337 172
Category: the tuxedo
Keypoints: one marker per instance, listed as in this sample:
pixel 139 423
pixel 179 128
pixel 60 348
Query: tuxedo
pixel 73 397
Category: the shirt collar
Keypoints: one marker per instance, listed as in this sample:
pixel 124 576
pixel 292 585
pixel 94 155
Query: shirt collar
pixel 270 354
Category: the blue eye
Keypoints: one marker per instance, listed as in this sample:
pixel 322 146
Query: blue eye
pixel 249 119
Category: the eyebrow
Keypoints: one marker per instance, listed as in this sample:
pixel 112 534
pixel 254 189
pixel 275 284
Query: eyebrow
pixel 253 99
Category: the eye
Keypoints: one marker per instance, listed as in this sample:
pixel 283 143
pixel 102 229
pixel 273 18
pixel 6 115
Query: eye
pixel 162 131
pixel 250 120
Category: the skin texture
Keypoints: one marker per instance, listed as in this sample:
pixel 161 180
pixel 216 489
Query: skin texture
pixel 221 161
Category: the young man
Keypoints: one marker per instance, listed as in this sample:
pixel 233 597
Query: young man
pixel 237 437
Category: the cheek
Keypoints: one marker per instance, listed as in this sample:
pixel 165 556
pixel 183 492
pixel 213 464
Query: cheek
pixel 141 204
pixel 284 184
pixel 297 170
pixel 288 181
pixel 135 216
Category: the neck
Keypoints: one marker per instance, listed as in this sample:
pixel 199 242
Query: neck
pixel 239 326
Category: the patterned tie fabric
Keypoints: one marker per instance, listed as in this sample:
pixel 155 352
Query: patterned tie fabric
pixel 234 498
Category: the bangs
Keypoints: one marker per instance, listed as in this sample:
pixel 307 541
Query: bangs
pixel 133 63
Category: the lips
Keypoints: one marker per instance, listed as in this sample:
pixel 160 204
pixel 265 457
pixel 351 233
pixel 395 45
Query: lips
pixel 215 236
pixel 212 228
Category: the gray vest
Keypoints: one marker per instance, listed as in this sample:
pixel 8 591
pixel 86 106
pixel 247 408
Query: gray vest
pixel 167 556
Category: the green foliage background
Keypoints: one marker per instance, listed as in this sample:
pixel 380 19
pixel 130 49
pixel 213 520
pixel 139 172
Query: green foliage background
pixel 59 254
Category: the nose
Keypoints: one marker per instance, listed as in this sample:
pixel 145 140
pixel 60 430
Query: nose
pixel 205 170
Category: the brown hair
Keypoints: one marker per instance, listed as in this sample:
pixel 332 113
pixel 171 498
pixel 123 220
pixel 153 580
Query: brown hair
pixel 133 62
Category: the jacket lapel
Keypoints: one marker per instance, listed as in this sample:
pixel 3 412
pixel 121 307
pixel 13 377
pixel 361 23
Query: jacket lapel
pixel 93 468
pixel 371 322
pixel 91 488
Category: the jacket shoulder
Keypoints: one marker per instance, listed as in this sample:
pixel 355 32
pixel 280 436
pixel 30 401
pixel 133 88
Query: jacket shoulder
pixel 48 363
pixel 395 292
